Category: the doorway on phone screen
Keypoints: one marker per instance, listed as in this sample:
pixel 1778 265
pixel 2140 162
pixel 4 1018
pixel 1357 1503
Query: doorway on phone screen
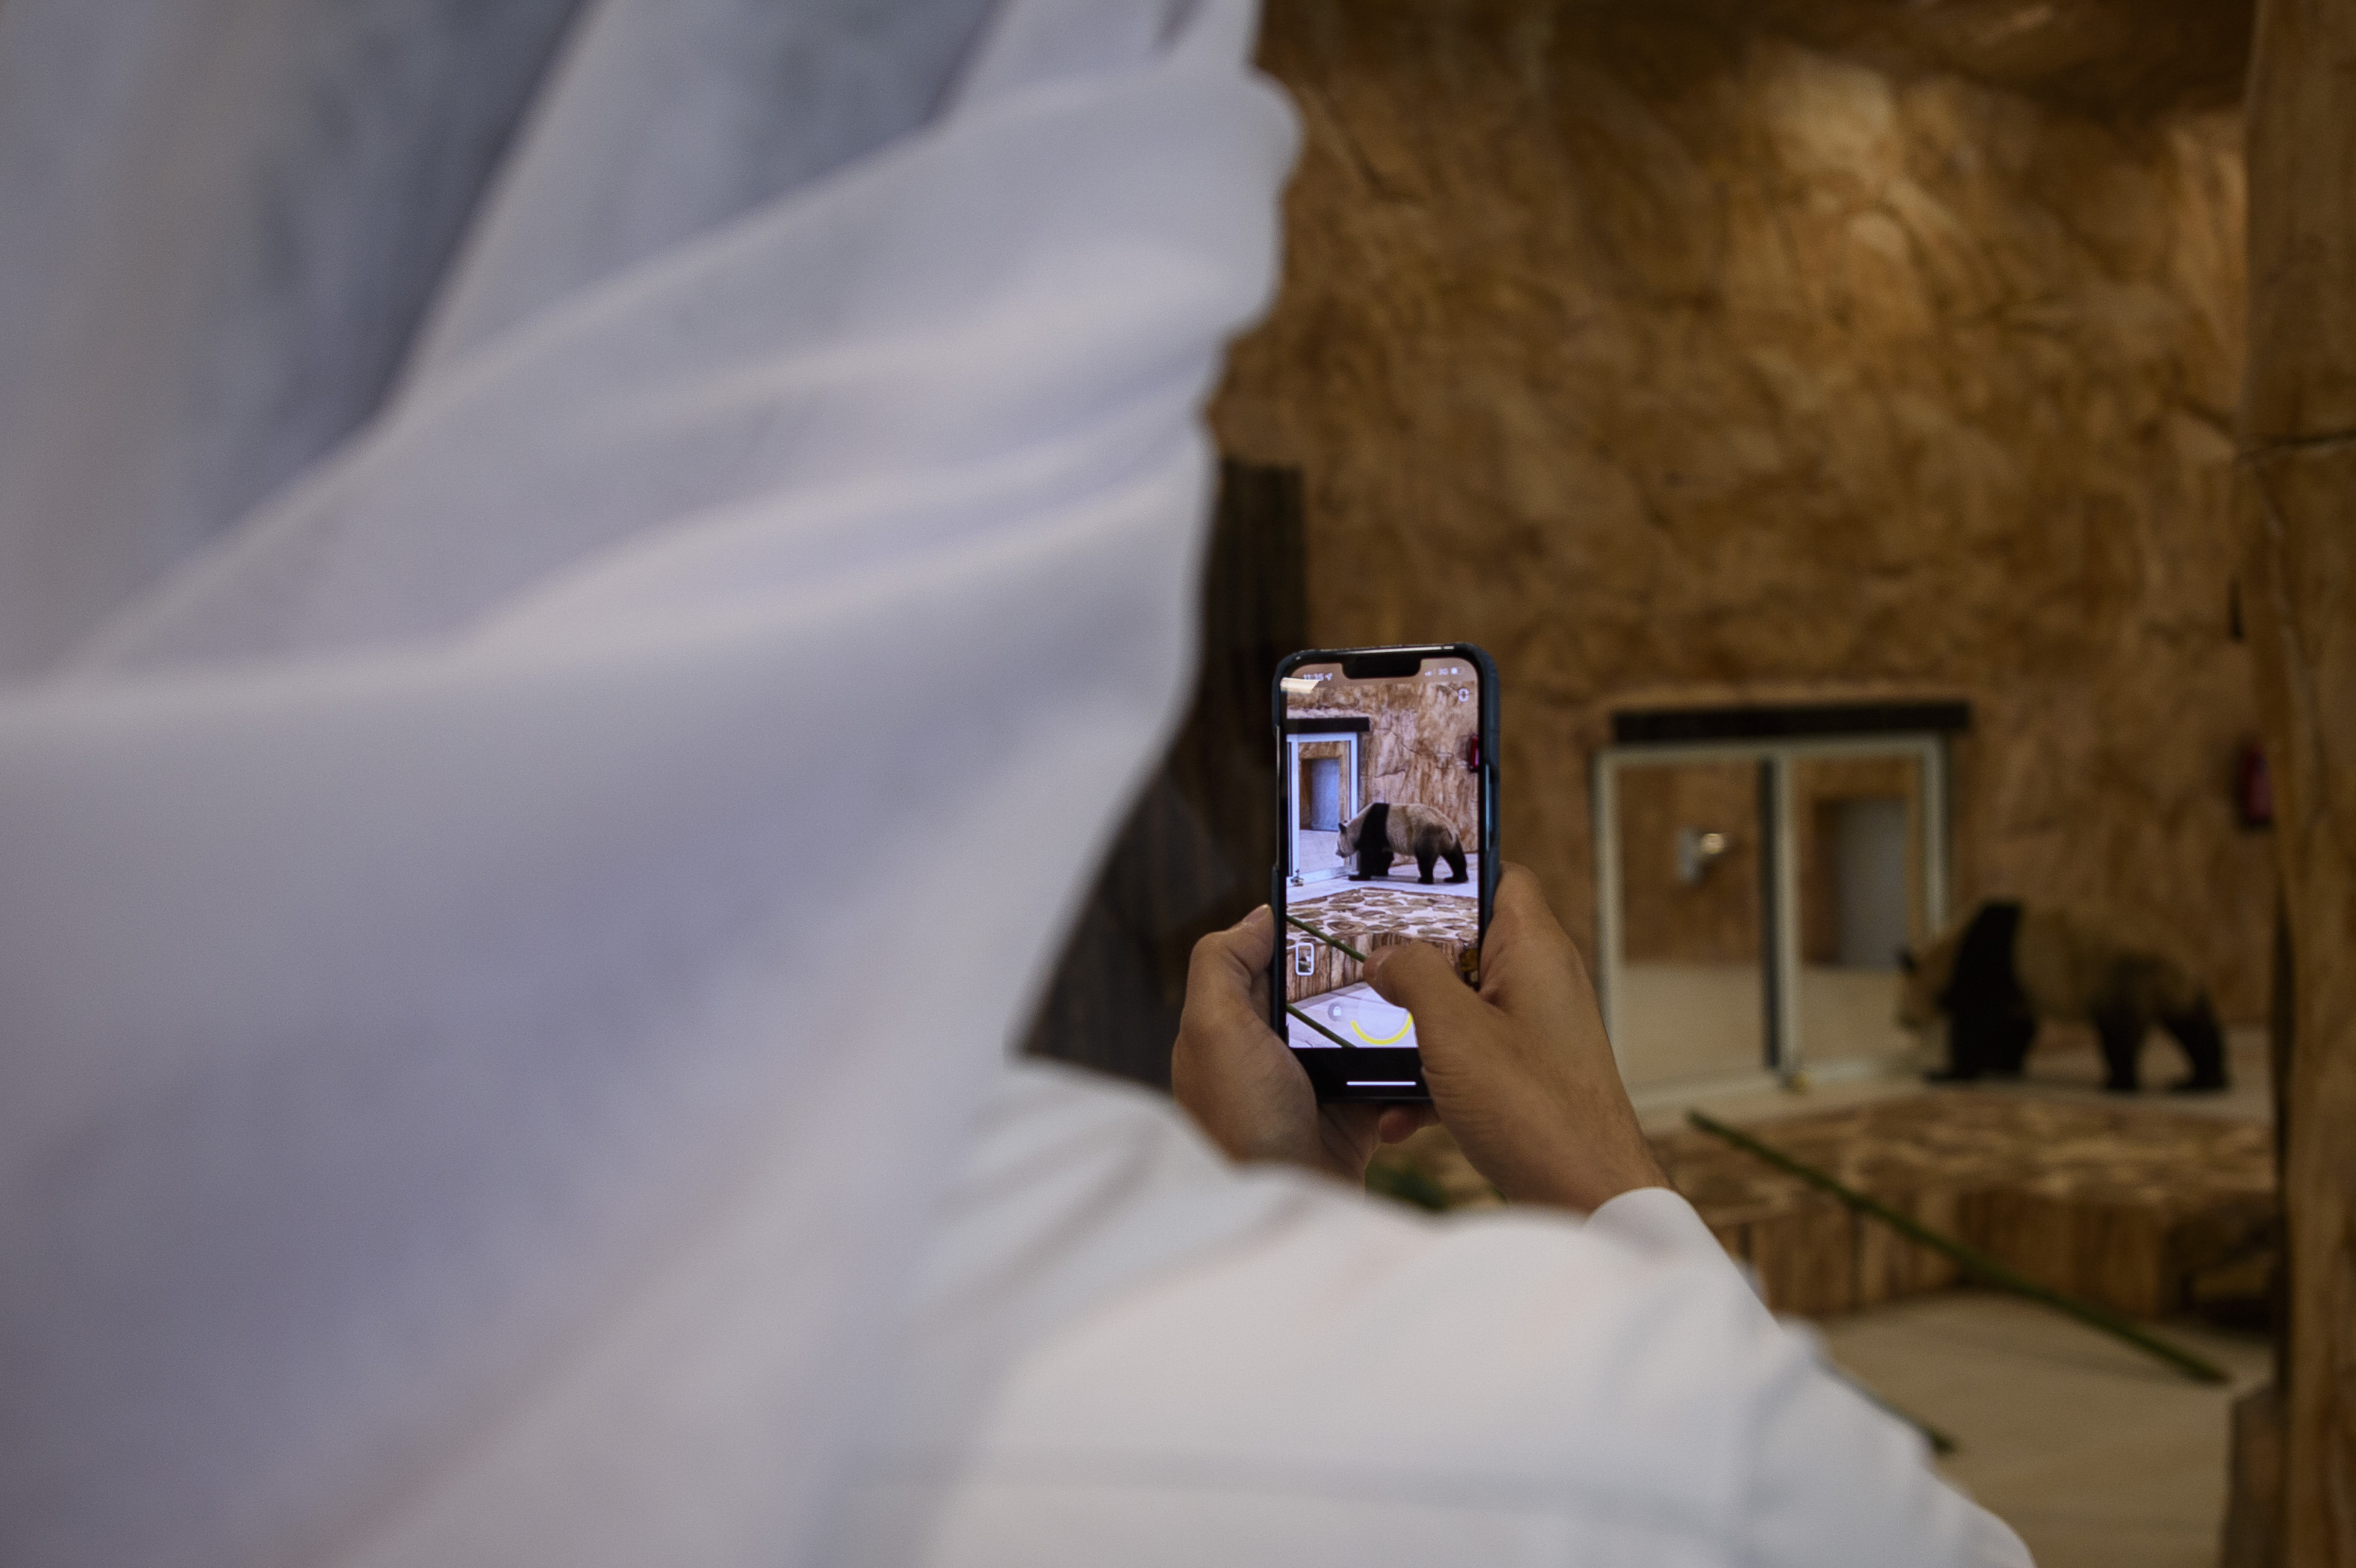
pixel 1382 836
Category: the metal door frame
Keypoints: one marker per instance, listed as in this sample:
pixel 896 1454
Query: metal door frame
pixel 1292 745
pixel 1787 1049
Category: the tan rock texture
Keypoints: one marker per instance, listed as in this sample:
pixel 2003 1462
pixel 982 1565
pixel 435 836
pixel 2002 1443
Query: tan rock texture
pixel 1672 357
pixel 1417 749
pixel 2295 503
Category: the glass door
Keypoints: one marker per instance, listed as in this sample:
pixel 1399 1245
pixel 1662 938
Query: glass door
pixel 1858 823
pixel 1690 992
pixel 1751 901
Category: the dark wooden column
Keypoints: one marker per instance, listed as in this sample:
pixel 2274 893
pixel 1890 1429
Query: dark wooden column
pixel 2295 504
pixel 1195 851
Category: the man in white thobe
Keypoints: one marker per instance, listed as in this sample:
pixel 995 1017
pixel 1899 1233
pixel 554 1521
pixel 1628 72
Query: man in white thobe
pixel 581 585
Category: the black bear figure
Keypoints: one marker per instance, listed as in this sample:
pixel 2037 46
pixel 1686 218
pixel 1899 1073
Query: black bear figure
pixel 2009 966
pixel 1381 832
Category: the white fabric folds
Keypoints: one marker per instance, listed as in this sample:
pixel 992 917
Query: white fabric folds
pixel 498 955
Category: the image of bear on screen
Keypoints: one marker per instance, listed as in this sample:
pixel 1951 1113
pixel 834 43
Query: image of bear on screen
pixel 1382 833
pixel 1383 775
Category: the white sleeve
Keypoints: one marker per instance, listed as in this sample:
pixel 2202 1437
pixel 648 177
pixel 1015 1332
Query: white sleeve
pixel 1655 1219
pixel 1837 1480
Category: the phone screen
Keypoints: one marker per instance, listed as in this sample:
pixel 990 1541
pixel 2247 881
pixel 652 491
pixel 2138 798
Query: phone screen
pixel 1383 841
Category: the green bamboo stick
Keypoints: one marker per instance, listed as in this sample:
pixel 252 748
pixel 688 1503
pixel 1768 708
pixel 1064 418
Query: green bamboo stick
pixel 1408 1185
pixel 1319 1028
pixel 1335 942
pixel 1972 1260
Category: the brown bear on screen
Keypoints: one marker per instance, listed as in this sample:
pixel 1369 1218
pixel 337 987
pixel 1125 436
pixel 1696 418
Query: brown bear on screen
pixel 2008 966
pixel 1382 830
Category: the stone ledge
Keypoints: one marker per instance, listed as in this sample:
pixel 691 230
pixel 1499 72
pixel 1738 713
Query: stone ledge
pixel 2123 1205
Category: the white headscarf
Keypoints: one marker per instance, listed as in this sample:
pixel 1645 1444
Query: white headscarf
pixel 497 951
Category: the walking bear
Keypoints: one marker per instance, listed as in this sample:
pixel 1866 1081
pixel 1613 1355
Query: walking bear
pixel 1997 974
pixel 1383 831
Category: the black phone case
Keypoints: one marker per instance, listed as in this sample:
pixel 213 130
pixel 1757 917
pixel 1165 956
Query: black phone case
pixel 1331 1071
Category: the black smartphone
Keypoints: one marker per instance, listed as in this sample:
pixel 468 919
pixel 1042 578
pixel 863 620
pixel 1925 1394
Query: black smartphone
pixel 1386 828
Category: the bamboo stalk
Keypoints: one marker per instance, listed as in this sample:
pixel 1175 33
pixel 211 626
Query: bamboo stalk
pixel 1408 1185
pixel 1319 1028
pixel 1971 1258
pixel 1330 942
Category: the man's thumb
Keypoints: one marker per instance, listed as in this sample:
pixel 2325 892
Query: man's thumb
pixel 1418 977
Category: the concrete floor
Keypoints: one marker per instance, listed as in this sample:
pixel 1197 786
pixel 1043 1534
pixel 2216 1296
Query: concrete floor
pixel 1317 854
pixel 2098 1456
pixel 2065 1065
pixel 1689 1034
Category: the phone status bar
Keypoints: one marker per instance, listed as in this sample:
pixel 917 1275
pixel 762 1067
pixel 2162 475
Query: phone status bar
pixel 1305 682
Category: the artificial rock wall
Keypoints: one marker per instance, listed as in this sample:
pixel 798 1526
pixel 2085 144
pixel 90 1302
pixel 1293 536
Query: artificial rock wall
pixel 1670 358
pixel 1417 750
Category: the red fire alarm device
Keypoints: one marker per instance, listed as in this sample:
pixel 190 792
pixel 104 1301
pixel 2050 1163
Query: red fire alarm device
pixel 2254 787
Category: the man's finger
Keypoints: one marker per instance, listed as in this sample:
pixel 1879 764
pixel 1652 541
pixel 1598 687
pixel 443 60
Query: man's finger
pixel 1241 952
pixel 1400 1123
pixel 1527 960
pixel 1521 912
pixel 1225 964
pixel 1414 975
pixel 1251 934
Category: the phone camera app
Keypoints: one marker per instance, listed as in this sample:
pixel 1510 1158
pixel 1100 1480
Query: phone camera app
pixel 1382 840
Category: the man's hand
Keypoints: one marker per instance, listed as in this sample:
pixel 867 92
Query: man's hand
pixel 1521 1073
pixel 1239 1081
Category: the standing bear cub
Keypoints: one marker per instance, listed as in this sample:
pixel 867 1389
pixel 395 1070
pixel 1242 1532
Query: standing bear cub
pixel 1382 830
pixel 2008 966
